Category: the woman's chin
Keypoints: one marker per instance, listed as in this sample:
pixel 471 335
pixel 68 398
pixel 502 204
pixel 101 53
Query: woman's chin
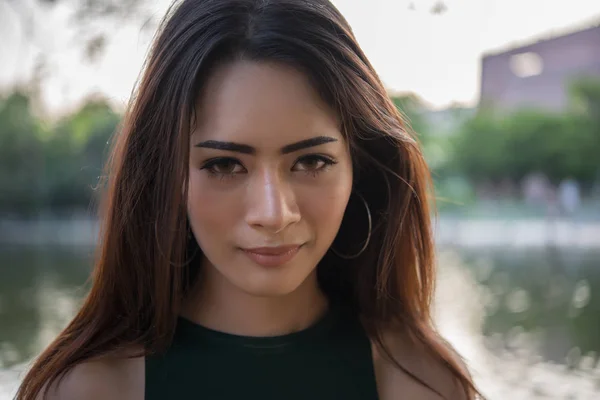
pixel 284 283
pixel 269 288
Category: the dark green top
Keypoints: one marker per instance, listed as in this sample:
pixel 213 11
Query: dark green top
pixel 329 360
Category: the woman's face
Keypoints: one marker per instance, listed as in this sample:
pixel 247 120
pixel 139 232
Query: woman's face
pixel 270 178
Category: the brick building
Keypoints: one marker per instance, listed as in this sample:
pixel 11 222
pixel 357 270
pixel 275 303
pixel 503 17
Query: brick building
pixel 538 74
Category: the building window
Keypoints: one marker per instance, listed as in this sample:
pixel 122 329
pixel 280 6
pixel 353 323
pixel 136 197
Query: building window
pixel 527 64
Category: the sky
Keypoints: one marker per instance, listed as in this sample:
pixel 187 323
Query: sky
pixel 436 56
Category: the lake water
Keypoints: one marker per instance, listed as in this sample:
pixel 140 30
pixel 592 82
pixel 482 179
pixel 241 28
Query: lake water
pixel 527 320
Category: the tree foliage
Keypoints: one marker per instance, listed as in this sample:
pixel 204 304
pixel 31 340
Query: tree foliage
pixel 21 154
pixel 51 167
pixel 495 146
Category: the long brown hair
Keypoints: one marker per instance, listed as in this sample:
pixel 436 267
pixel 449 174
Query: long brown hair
pixel 147 260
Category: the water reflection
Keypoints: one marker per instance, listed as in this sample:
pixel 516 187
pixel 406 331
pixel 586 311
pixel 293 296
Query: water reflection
pixel 39 291
pixel 543 295
pixel 526 320
pixel 522 335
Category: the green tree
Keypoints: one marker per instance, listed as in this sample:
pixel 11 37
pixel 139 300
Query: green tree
pixel 51 168
pixel 585 97
pixel 76 154
pixel 492 146
pixel 413 110
pixel 21 155
pixel 479 149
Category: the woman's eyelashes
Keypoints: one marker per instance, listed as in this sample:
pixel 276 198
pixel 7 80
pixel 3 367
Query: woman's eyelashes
pixel 313 164
pixel 228 167
pixel 223 167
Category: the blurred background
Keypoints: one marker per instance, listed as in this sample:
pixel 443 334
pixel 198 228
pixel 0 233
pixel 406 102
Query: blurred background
pixel 505 98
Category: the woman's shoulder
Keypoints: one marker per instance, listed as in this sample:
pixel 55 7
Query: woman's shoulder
pixel 114 378
pixel 434 380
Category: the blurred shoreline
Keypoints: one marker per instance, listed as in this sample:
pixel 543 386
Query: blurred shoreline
pixel 449 230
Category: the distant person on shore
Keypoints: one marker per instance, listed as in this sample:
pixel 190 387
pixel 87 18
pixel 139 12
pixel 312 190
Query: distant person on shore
pixel 535 187
pixel 569 194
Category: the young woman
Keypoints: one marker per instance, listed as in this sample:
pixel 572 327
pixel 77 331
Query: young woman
pixel 266 227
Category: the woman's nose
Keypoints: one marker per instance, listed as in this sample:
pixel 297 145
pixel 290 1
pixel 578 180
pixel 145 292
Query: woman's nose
pixel 271 203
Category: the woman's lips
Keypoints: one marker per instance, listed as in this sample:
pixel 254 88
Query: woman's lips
pixel 272 256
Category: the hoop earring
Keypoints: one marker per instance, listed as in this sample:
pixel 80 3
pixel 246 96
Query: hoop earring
pixel 364 247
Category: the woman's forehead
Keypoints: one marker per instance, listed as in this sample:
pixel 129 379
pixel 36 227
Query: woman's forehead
pixel 262 103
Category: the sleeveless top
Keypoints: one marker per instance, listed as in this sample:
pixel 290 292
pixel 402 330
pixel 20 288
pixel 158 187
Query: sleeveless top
pixel 330 360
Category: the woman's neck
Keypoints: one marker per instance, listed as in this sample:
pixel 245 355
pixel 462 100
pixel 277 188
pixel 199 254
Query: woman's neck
pixel 217 304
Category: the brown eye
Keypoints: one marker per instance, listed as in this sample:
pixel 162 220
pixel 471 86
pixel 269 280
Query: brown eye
pixel 224 166
pixel 313 163
pixel 310 165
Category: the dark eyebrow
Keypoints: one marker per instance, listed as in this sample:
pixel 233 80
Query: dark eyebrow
pixel 229 146
pixel 304 144
pixel 245 149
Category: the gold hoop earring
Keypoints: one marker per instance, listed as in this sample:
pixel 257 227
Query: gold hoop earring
pixel 364 247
